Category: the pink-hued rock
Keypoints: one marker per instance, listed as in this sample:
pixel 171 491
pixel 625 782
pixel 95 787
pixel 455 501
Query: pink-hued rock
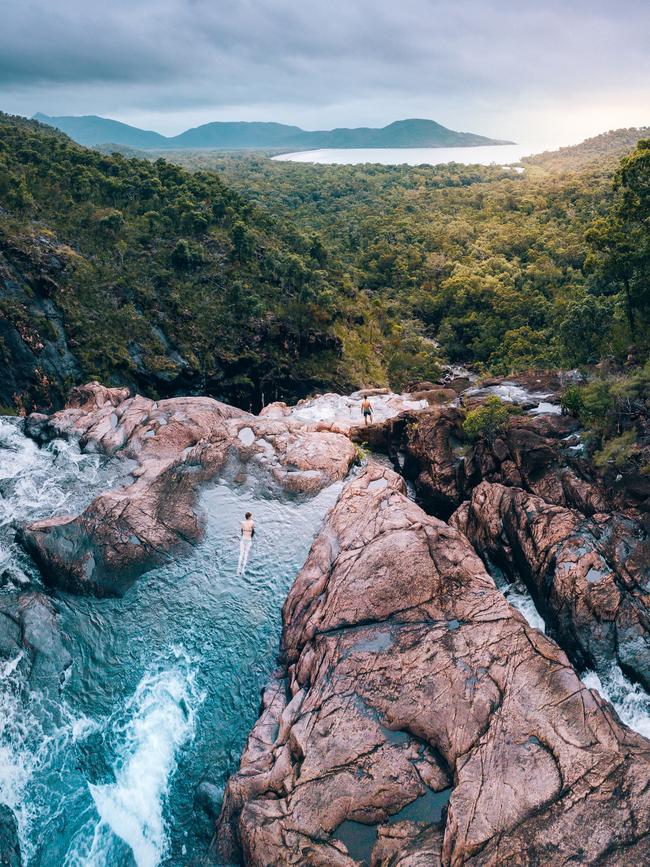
pixel 175 446
pixel 342 413
pixel 590 577
pixel 415 700
pixel 534 453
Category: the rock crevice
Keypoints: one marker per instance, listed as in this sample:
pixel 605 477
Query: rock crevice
pixel 368 714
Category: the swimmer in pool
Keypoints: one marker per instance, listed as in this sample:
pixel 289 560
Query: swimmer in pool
pixel 247 530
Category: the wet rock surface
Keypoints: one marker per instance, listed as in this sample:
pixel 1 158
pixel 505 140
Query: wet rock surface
pixel 10 855
pixel 31 639
pixel 418 719
pixel 589 576
pixel 343 414
pixel 174 446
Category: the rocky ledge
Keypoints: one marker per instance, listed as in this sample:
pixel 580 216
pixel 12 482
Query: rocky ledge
pixel 173 446
pixel 539 453
pixel 418 719
pixel 589 576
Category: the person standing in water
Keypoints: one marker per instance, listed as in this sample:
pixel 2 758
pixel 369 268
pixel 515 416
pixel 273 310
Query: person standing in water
pixel 247 530
pixel 366 408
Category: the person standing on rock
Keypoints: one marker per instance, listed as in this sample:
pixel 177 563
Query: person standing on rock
pixel 247 530
pixel 366 408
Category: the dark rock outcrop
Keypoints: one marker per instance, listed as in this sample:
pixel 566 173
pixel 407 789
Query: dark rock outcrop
pixel 432 444
pixel 10 855
pixel 534 452
pixel 590 577
pixel 42 638
pixel 31 640
pixel 418 719
pixel 174 445
pixel 37 358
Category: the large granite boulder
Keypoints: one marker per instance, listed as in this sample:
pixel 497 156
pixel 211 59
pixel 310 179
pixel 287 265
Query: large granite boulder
pixel 174 445
pixel 589 577
pixel 418 719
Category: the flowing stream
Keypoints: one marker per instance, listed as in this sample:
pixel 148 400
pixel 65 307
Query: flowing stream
pixel 630 700
pixel 161 687
pixel 158 690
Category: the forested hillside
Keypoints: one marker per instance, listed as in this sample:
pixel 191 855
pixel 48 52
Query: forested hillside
pixel 268 279
pixel 506 270
pixel 608 147
pixel 142 273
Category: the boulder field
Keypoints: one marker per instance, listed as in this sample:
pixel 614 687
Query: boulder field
pixel 174 446
pixel 418 719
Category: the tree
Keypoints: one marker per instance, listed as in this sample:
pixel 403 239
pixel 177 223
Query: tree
pixel 620 242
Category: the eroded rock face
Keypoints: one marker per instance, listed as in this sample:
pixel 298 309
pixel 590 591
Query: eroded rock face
pixel 432 443
pixel 590 577
pixel 419 720
pixel 537 453
pixel 174 446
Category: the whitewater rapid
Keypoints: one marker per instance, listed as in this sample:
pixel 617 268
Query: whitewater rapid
pixel 101 768
pixel 161 687
pixel 145 735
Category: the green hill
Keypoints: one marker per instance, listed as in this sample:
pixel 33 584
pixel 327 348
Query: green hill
pixel 145 274
pixel 92 130
pixel 608 147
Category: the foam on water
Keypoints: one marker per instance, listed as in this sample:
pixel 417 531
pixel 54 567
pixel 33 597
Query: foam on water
pixel 35 735
pixel 631 701
pixel 519 597
pixel 18 756
pixel 144 738
pixel 38 482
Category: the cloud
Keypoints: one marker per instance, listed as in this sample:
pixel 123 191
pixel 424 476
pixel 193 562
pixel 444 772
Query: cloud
pixel 306 59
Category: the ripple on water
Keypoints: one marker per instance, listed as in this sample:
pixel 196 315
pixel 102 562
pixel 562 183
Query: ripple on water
pixel 165 682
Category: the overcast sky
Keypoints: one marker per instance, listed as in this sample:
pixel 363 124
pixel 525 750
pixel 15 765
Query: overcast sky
pixel 551 71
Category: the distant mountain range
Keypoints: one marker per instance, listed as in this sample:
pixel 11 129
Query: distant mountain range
pixel 414 133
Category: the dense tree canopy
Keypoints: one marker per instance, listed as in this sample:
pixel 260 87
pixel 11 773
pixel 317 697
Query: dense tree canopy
pixel 251 279
pixel 501 268
pixel 174 282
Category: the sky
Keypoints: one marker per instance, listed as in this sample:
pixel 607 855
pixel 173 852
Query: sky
pixel 550 72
